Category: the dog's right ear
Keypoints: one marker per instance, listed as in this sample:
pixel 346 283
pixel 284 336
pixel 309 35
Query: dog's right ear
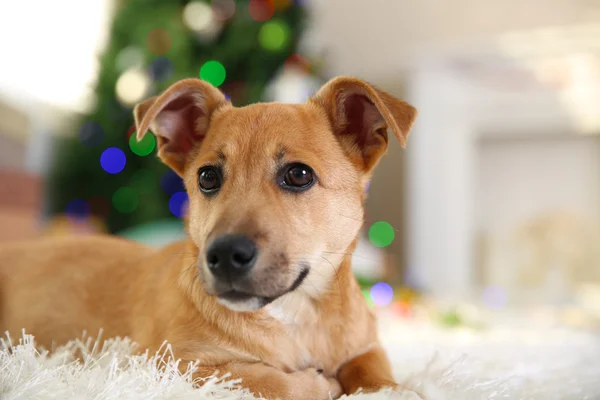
pixel 361 115
pixel 179 118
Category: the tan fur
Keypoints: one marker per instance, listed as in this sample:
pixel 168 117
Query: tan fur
pixel 56 288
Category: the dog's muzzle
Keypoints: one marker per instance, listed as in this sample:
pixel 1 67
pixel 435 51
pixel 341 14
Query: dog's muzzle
pixel 231 257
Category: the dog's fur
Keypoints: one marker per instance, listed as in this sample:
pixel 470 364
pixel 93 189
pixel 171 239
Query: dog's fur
pixel 309 341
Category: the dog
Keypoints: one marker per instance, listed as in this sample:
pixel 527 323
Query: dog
pixel 263 288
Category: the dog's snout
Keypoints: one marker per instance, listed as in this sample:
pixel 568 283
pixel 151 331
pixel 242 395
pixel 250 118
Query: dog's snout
pixel 231 256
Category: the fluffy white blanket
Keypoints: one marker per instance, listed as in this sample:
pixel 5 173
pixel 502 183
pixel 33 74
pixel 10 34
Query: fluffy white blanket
pixel 501 363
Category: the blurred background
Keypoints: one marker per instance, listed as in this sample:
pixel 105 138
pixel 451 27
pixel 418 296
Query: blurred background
pixel 495 202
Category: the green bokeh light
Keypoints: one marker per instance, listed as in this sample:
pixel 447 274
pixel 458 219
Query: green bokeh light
pixel 144 146
pixel 381 234
pixel 213 72
pixel 368 298
pixel 450 318
pixel 125 199
pixel 274 35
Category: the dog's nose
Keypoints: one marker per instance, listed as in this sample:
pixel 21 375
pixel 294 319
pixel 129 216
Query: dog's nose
pixel 231 256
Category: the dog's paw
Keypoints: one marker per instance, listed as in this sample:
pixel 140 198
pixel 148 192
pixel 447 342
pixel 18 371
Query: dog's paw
pixel 312 384
pixel 335 389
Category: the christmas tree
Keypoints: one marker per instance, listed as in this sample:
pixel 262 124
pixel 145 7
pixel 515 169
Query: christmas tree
pixel 102 172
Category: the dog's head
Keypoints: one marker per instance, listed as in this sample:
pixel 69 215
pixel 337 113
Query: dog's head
pixel 275 190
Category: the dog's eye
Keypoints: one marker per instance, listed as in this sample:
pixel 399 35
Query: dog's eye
pixel 297 177
pixel 209 179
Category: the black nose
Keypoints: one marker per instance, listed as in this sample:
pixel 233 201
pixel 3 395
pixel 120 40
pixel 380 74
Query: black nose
pixel 231 256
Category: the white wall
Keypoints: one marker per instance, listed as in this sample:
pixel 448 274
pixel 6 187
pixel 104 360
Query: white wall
pixel 440 185
pixel 463 182
pixel 521 178
pixel 376 39
pixel 554 180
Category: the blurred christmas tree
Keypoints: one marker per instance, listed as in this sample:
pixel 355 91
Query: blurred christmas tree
pixel 238 46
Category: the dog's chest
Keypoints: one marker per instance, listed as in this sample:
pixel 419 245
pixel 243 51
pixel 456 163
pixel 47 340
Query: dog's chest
pixel 309 344
pixel 285 317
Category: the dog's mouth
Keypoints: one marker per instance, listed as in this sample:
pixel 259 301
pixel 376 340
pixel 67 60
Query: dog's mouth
pixel 236 296
pixel 239 300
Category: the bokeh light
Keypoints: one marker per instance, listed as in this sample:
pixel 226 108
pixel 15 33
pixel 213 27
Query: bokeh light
pixel 205 21
pixel 292 85
pixel 113 160
pixel 197 15
pixel 99 206
pixel 66 225
pixel 402 308
pixel 143 181
pixel 368 298
pixel 129 57
pixel 161 69
pixel 144 146
pixel 261 10
pixel 450 318
pixel 171 183
pixel 133 86
pixel 297 61
pixel 159 41
pixel 223 9
pixel 130 131
pixel 381 234
pixel 382 294
pixel 91 134
pixel 77 208
pixel 495 297
pixel 125 200
pixel 213 72
pixel 178 204
pixel 274 35
pixel 282 4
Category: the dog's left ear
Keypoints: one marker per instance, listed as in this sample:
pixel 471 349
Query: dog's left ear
pixel 361 114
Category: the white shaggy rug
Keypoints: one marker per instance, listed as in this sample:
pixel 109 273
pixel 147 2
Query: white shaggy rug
pixel 510 362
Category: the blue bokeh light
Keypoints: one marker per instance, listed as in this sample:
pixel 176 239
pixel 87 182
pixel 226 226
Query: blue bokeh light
pixel 113 160
pixel 77 208
pixel 495 297
pixel 161 69
pixel 178 204
pixel 91 134
pixel 171 183
pixel 382 294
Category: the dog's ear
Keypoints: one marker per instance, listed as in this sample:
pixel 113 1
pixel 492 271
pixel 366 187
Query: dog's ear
pixel 179 118
pixel 361 114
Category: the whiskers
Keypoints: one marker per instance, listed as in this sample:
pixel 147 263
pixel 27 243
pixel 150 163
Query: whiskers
pixel 349 255
pixel 335 273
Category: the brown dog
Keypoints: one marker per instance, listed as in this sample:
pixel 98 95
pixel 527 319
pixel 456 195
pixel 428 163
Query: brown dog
pixel 263 288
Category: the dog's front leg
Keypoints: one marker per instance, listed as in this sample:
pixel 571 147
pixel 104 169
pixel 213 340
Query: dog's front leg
pixel 370 371
pixel 271 383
